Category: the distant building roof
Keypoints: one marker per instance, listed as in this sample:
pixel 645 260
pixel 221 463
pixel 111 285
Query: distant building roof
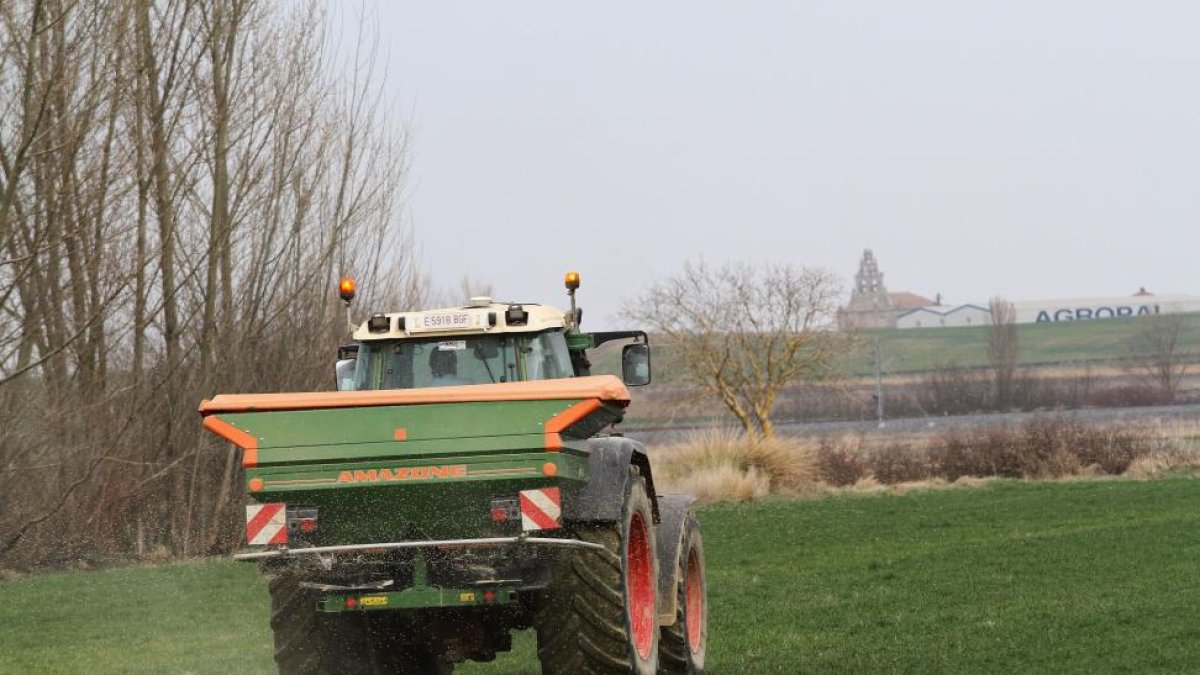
pixel 966 307
pixel 906 300
pixel 942 310
pixel 920 310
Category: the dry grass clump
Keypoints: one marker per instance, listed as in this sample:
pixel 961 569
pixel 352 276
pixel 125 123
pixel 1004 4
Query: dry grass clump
pixel 1173 447
pixel 724 465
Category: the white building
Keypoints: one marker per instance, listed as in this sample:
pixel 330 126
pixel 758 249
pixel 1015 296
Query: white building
pixel 938 316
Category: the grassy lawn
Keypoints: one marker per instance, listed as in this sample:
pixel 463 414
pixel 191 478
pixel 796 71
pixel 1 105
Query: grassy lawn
pixel 1100 340
pixel 1012 577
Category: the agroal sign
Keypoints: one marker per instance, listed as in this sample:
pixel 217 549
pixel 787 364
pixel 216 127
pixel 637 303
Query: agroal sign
pixel 1051 311
pixel 1084 309
pixel 1103 312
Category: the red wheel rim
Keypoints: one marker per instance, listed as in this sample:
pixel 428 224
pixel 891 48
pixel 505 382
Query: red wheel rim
pixel 693 591
pixel 639 581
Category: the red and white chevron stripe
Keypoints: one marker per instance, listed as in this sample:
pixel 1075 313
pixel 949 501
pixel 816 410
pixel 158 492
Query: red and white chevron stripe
pixel 541 509
pixel 266 524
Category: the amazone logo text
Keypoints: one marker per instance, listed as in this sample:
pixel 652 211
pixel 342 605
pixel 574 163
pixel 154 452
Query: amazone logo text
pixel 402 473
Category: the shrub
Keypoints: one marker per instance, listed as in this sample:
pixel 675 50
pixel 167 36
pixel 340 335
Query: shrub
pixel 841 461
pixel 1128 395
pixel 897 463
pixel 956 453
pixel 1045 447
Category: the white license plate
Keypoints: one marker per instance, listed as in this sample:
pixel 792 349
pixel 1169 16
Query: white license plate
pixel 446 321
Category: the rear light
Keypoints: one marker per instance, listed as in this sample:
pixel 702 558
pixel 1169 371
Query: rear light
pixel 505 509
pixel 302 519
pixel 351 603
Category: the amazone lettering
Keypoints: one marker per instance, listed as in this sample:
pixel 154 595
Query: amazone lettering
pixel 402 473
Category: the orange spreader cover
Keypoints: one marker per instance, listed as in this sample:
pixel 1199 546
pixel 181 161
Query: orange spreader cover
pixel 602 387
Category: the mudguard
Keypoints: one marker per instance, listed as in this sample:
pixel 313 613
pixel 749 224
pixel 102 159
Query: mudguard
pixel 608 466
pixel 669 536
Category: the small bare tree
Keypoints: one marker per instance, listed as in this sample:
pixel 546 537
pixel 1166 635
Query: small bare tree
pixel 743 332
pixel 1004 349
pixel 1161 353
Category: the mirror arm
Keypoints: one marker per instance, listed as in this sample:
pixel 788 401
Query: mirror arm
pixel 608 336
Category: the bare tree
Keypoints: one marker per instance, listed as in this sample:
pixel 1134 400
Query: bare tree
pixel 743 332
pixel 1004 350
pixel 181 184
pixel 1161 351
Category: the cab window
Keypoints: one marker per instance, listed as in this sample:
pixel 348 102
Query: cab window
pixel 546 356
pixel 408 364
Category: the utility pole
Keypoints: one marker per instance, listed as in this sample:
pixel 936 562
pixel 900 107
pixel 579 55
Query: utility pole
pixel 878 383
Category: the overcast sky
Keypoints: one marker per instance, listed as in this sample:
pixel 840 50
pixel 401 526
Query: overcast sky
pixel 1029 149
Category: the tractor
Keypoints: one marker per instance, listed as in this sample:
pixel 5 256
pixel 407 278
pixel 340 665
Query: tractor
pixel 464 481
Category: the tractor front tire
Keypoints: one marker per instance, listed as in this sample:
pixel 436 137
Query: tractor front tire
pixel 684 644
pixel 599 614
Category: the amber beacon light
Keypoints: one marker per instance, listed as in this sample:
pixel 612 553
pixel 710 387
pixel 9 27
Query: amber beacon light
pixel 572 280
pixel 346 289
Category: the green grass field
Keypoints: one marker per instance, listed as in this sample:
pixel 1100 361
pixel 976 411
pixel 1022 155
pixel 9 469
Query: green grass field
pixel 1012 577
pixel 1100 341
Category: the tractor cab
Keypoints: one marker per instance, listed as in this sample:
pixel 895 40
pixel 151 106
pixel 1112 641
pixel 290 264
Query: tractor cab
pixel 483 342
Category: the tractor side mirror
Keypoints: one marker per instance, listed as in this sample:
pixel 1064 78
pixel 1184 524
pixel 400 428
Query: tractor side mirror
pixel 635 364
pixel 346 367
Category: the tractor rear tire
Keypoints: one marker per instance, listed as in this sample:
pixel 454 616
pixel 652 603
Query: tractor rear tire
pixel 599 614
pixel 684 644
pixel 308 642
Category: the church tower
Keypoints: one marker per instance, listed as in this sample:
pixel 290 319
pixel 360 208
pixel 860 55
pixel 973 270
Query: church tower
pixel 869 306
pixel 869 291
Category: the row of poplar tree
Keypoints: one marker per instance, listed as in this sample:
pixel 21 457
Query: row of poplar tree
pixel 181 184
